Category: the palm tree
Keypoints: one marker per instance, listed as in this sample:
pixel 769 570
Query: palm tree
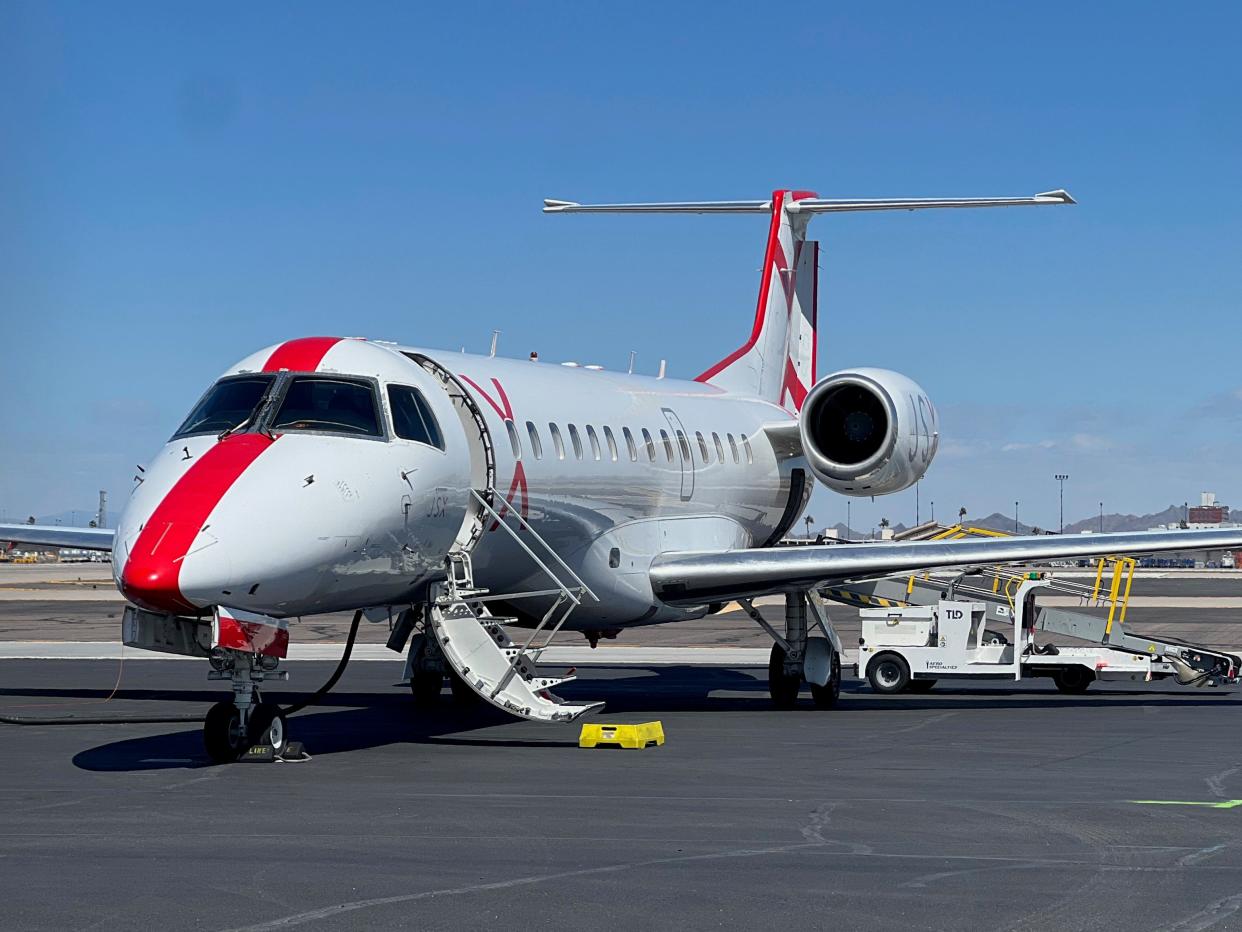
pixel 961 514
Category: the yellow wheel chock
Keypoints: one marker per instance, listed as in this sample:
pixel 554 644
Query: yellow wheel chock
pixel 621 736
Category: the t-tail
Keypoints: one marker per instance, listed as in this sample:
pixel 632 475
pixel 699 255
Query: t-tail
pixel 777 363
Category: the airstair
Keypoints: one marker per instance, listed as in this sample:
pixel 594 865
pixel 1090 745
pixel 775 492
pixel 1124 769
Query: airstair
pixel 455 632
pixel 995 588
pixel 459 633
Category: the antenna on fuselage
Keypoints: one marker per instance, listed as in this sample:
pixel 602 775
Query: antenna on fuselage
pixel 633 354
pixel 663 365
pixel 495 340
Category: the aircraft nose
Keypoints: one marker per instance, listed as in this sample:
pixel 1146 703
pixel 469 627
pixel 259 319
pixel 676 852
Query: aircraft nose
pixel 150 580
pixel 155 569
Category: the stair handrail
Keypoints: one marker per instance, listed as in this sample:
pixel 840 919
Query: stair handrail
pixel 530 553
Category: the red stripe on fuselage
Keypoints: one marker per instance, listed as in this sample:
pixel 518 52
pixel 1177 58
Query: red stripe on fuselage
pixel 302 355
pixel 151 577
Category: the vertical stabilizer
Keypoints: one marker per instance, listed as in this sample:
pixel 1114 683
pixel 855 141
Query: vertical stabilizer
pixel 777 363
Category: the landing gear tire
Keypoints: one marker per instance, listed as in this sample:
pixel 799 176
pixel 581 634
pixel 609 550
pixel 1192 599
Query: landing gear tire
pixel 1073 680
pixel 223 736
pixel 826 696
pixel 426 686
pixel 782 687
pixel 888 673
pixel 267 726
pixel 921 686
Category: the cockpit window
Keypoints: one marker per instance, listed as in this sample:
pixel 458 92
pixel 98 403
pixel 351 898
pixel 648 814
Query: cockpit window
pixel 330 405
pixel 412 418
pixel 227 405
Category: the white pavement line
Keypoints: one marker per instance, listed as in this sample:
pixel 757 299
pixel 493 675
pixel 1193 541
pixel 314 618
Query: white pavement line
pixel 61 595
pixel 566 656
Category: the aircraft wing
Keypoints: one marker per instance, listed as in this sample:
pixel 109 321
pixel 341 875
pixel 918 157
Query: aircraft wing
pixel 695 578
pixel 43 535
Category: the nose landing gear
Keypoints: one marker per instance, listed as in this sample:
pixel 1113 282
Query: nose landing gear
pixel 233 729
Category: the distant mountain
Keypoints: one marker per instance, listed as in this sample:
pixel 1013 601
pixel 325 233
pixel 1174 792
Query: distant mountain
pixel 80 518
pixel 997 521
pixel 1115 522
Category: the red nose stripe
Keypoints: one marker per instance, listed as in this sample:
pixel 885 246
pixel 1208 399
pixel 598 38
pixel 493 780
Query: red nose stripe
pixel 302 355
pixel 152 571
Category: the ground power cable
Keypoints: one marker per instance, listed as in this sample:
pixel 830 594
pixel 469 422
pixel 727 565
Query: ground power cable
pixel 312 699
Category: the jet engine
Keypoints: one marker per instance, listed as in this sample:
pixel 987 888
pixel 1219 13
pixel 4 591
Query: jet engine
pixel 868 431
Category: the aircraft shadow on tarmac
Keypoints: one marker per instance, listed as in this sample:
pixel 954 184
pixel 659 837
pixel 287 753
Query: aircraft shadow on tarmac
pixel 352 721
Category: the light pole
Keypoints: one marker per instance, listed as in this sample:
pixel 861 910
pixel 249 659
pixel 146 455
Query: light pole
pixel 933 508
pixel 848 532
pixel 1015 517
pixel 1061 477
pixel 916 504
pixel 1101 517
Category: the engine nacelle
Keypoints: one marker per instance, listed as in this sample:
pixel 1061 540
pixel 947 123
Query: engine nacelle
pixel 868 431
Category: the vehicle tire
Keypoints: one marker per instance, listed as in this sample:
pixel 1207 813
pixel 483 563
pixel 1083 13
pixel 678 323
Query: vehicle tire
pixel 1074 679
pixel 425 685
pixel 921 686
pixel 782 687
pixel 826 696
pixel 267 726
pixel 463 695
pixel 223 737
pixel 888 673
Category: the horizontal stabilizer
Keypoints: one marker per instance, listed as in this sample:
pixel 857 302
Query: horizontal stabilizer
pixel 807 205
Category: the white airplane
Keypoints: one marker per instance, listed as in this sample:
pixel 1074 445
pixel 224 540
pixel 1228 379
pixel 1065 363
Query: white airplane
pixel 426 487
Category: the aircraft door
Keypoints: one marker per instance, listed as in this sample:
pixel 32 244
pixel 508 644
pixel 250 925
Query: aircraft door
pixel 685 453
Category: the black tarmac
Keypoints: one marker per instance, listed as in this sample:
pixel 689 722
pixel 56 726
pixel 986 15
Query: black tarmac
pixel 971 808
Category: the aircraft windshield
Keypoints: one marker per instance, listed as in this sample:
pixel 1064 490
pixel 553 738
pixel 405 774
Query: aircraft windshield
pixel 331 405
pixel 227 405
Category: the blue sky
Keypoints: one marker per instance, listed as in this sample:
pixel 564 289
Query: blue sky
pixel 182 184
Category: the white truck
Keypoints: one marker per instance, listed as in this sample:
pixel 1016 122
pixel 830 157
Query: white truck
pixel 912 647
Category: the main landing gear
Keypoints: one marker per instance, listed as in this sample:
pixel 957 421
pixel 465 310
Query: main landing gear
pixel 232 728
pixel 797 658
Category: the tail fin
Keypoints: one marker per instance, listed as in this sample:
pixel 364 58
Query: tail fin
pixel 777 363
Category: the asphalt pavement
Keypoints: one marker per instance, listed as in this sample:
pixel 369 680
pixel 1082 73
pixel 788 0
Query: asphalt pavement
pixel 976 808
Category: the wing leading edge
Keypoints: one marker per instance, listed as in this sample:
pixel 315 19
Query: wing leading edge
pixel 41 535
pixel 696 578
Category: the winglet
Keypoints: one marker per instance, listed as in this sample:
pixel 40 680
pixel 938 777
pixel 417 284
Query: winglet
pixel 1059 194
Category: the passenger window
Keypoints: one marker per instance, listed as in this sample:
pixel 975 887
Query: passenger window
pixel 702 447
pixel 668 445
pixel 576 441
pixel 629 442
pixel 535 446
pixel 685 447
pixel 750 457
pixel 594 438
pixel 412 418
pixel 227 405
pixel 556 440
pixel 719 446
pixel 330 405
pixel 733 447
pixel 650 444
pixel 612 443
pixel 514 440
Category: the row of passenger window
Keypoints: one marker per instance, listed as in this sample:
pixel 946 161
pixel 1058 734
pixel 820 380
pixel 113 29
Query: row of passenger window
pixel 610 448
